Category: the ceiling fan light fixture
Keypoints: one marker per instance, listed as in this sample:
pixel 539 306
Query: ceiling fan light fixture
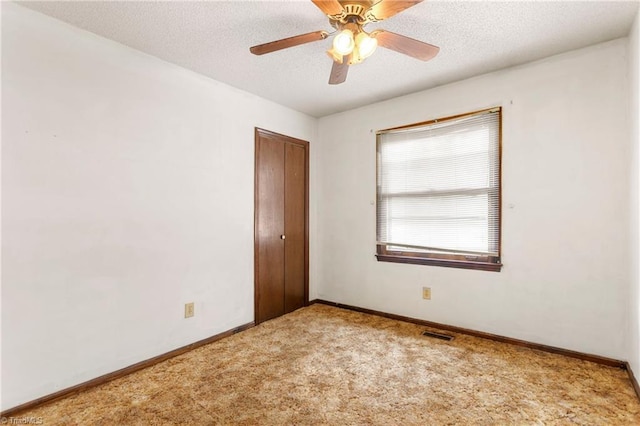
pixel 366 45
pixel 343 43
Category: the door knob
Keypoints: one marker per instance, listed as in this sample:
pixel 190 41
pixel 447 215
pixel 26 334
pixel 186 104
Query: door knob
pixel 282 237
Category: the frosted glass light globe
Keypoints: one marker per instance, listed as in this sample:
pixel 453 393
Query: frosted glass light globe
pixel 366 45
pixel 343 43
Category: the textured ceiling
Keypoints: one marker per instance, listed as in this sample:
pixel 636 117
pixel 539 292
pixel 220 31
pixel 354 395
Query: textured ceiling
pixel 475 37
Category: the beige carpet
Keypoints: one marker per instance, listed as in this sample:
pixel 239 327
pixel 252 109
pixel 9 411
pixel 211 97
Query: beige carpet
pixel 324 365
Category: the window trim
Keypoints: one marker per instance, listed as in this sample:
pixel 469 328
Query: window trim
pixel 481 262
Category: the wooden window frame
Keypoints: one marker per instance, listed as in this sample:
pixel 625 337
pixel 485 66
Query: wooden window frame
pixel 453 260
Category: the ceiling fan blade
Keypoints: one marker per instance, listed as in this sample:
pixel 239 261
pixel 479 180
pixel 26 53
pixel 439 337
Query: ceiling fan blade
pixel 406 45
pixel 339 71
pixel 285 43
pixel 387 8
pixel 328 7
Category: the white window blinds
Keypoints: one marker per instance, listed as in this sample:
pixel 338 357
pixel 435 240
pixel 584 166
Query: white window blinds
pixel 439 187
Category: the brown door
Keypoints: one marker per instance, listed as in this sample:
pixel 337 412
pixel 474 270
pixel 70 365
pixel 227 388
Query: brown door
pixel 281 225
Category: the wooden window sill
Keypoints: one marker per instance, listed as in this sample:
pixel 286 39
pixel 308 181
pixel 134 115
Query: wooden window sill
pixel 462 264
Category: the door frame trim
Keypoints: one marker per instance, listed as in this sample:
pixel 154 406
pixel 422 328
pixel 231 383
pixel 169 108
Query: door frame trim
pixel 262 133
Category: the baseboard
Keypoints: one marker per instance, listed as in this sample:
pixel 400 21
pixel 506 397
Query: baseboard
pixel 633 379
pixel 11 412
pixel 566 352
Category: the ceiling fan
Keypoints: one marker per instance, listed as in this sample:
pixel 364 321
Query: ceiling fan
pixel 352 44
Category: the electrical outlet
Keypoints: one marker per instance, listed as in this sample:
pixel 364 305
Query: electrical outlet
pixel 426 293
pixel 188 310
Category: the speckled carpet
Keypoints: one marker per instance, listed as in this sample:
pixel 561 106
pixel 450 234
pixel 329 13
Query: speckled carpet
pixel 325 365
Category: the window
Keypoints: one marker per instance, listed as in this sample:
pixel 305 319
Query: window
pixel 438 192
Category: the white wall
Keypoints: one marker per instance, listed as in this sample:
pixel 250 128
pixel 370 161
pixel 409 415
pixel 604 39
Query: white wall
pixel 128 191
pixel 565 206
pixel 634 114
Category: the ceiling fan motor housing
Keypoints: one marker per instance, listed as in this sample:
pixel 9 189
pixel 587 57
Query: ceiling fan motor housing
pixel 354 10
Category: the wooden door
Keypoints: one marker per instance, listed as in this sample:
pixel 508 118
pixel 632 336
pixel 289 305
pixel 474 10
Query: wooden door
pixel 281 225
